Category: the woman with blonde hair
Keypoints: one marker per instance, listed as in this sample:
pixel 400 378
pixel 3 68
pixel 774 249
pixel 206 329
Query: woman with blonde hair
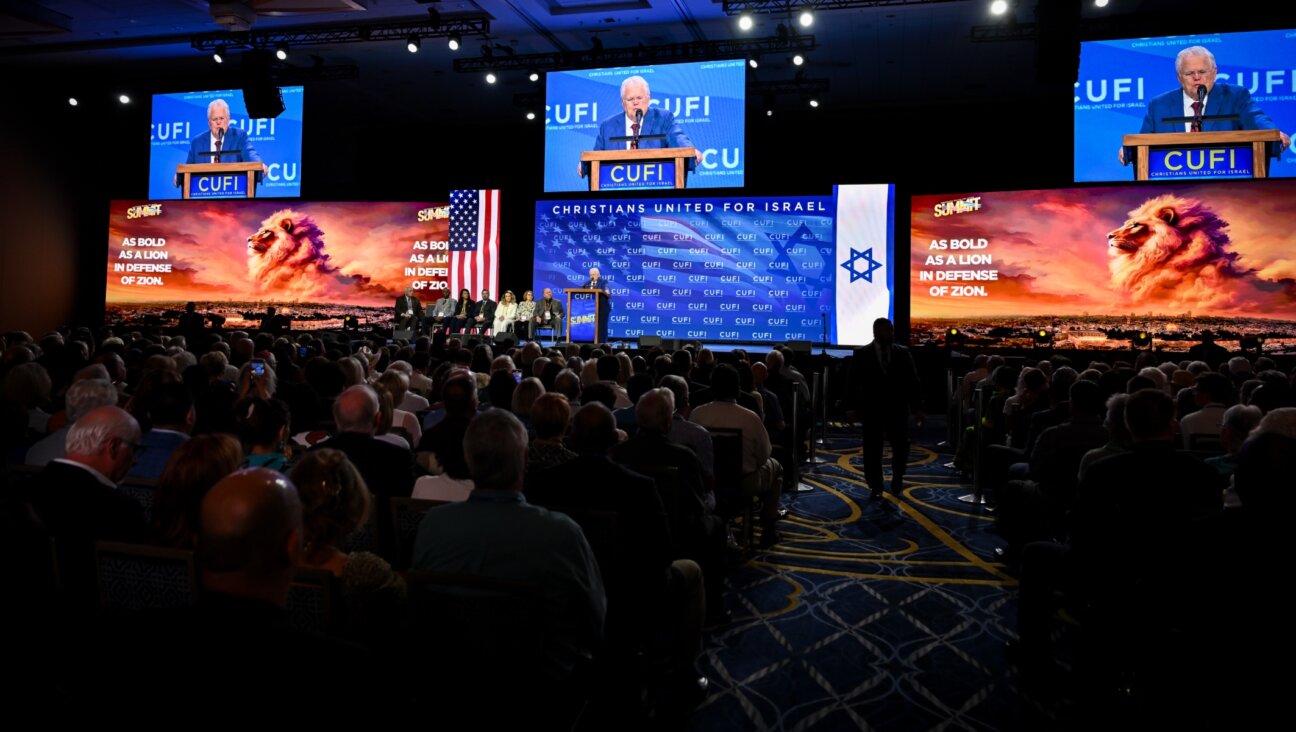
pixel 505 314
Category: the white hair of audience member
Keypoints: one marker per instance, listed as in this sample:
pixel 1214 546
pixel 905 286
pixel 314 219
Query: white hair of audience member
pixel 404 367
pixel 85 437
pixel 87 395
pixel 1168 368
pixel 1239 365
pixel 352 371
pixel 1157 376
pixel 93 371
pixel 1238 422
pixel 113 341
pixel 1197 368
pixel 1089 375
pixel 589 373
pixel 1281 421
pixel 502 363
pixel 656 410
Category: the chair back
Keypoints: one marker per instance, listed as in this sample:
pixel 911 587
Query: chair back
pixel 313 600
pixel 478 625
pixel 139 577
pixel 727 445
pixel 668 488
pixel 406 516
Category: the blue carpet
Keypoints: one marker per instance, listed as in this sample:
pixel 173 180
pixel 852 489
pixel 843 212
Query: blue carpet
pixel 887 614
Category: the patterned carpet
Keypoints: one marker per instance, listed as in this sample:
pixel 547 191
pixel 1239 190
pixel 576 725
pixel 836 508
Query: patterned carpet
pixel 888 614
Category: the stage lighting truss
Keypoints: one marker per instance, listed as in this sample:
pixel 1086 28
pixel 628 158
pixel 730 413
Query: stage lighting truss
pixel 636 55
pixel 393 32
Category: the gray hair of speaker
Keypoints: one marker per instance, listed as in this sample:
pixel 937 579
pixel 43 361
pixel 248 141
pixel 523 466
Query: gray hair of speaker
pixel 495 449
pixel 635 81
pixel 215 104
pixel 88 394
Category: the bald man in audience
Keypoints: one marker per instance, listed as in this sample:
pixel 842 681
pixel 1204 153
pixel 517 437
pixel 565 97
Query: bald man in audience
pixel 77 500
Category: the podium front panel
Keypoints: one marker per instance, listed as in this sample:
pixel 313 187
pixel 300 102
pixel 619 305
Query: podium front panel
pixel 218 185
pixel 1213 161
pixel 637 175
pixel 582 321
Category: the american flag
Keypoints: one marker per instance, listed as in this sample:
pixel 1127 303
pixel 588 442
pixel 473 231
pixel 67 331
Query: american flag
pixel 474 242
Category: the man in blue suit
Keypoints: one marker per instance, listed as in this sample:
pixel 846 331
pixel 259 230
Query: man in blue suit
pixel 1196 67
pixel 637 99
pixel 220 136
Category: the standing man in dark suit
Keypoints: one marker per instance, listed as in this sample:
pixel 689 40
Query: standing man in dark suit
pixel 886 386
pixel 409 311
pixel 598 282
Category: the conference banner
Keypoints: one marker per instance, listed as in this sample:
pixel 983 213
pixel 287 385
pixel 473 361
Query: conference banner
pixel 739 268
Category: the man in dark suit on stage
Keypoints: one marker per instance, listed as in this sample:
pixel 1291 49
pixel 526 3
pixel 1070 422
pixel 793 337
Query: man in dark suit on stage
pixel 409 311
pixel 484 319
pixel 549 311
pixel 886 390
pixel 598 282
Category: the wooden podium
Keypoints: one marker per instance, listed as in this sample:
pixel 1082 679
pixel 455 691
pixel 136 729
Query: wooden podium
pixel 224 180
pixel 586 308
pixel 677 156
pixel 1145 145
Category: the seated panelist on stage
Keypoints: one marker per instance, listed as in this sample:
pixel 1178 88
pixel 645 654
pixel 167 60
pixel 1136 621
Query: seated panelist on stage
pixel 506 313
pixel 484 319
pixel 409 311
pixel 549 311
pixel 639 119
pixel 464 311
pixel 1196 70
pixel 442 313
pixel 524 318
pixel 221 137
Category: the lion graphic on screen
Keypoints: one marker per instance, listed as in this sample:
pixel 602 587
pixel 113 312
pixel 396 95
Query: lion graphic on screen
pixel 1174 252
pixel 286 257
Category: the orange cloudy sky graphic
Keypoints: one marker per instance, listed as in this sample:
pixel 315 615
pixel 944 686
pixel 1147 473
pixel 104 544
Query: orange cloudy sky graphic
pixel 206 244
pixel 1050 249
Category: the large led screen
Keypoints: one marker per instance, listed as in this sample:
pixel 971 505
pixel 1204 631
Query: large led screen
pixel 1092 268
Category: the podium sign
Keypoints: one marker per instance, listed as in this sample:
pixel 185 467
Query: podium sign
pixel 1177 155
pixel 659 174
pixel 582 316
pixel 217 185
pixel 1217 161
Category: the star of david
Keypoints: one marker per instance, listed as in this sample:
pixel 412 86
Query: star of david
pixel 867 256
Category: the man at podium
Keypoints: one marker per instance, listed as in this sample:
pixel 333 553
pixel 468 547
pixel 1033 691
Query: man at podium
pixel 1199 95
pixel 231 142
pixel 598 282
pixel 639 120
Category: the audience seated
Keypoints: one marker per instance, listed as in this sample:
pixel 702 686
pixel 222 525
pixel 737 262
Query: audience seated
pixel 498 533
pixel 194 468
pixel 167 406
pixel 82 397
pixel 551 416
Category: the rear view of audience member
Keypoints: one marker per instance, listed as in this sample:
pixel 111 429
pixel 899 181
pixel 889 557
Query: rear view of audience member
pixel 335 503
pixel 550 415
pixel 498 533
pixel 82 397
pixel 170 410
pixel 263 427
pixel 77 500
pixel 194 468
pixel 1238 422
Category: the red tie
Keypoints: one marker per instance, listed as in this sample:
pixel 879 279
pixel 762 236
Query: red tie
pixel 1196 124
pixel 216 158
pixel 634 129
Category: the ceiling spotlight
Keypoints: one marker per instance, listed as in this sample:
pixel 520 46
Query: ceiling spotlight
pixel 281 52
pixel 814 103
pixel 124 99
pixel 530 115
pixel 806 18
pixel 1100 3
pixel 219 56
pixel 769 113
pixel 752 62
pixel 745 22
pixel 491 78
pixel 999 7
pixel 798 59
pixel 454 42
pixel 534 76
pixel 412 45
pixel 72 101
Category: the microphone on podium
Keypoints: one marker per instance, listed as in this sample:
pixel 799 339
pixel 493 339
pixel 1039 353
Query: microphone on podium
pixel 638 127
